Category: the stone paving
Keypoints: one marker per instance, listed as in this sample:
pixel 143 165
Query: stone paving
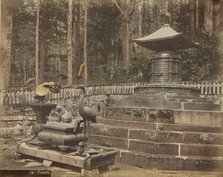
pixel 8 161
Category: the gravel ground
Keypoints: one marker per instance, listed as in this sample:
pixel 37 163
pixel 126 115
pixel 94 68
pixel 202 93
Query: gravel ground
pixel 9 161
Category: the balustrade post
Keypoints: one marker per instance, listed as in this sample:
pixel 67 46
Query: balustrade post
pixel 11 98
pixel 6 98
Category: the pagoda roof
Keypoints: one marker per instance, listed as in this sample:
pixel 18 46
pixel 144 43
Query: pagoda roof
pixel 165 38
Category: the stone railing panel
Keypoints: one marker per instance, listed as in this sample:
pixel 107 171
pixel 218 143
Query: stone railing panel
pixel 21 96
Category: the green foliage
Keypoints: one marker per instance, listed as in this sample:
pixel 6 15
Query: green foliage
pixel 203 62
pixel 24 24
pixel 140 65
pixel 54 19
pixel 104 41
pixel 114 72
pixel 23 41
pixel 109 73
pixel 105 63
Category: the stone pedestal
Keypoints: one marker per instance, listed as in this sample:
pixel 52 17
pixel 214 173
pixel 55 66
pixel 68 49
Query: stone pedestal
pixel 42 111
pixel 167 96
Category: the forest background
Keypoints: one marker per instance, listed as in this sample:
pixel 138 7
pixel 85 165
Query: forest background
pixel 60 35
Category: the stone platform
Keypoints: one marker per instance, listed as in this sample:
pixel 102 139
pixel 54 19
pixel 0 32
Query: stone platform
pixel 166 142
pixel 167 96
pixel 188 117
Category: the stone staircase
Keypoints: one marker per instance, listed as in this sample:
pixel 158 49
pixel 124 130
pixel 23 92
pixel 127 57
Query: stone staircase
pixel 161 145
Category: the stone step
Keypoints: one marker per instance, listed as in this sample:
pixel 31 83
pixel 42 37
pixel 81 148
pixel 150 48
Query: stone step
pixel 164 162
pixel 176 137
pixel 176 149
pixel 161 146
pixel 201 150
pixel 109 141
pixel 169 104
pixel 157 148
pixel 153 135
pixel 178 99
pixel 168 162
pixel 160 126
pixel 185 117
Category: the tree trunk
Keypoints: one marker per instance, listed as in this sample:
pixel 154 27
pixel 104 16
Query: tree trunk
pixel 85 42
pixel 197 13
pixel 70 48
pixel 37 58
pixel 77 38
pixel 126 44
pixel 6 31
pixel 208 15
pixel 60 69
pixel 217 17
pixel 24 72
pixel 125 11
pixel 192 14
pixel 40 46
pixel 140 6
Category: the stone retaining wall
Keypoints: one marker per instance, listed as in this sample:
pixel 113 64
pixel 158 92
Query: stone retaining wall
pixel 16 125
pixel 19 120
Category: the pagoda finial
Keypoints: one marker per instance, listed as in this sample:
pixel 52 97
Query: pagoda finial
pixel 167 18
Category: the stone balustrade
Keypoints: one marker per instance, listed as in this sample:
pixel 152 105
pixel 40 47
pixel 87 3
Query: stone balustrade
pixel 213 90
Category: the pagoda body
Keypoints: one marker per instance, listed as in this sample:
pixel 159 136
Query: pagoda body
pixel 165 90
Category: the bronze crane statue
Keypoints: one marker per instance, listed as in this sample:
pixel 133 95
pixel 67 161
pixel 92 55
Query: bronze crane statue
pixel 87 113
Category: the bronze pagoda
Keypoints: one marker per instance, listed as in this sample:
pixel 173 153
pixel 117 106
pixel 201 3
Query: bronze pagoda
pixel 165 90
pixel 166 63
